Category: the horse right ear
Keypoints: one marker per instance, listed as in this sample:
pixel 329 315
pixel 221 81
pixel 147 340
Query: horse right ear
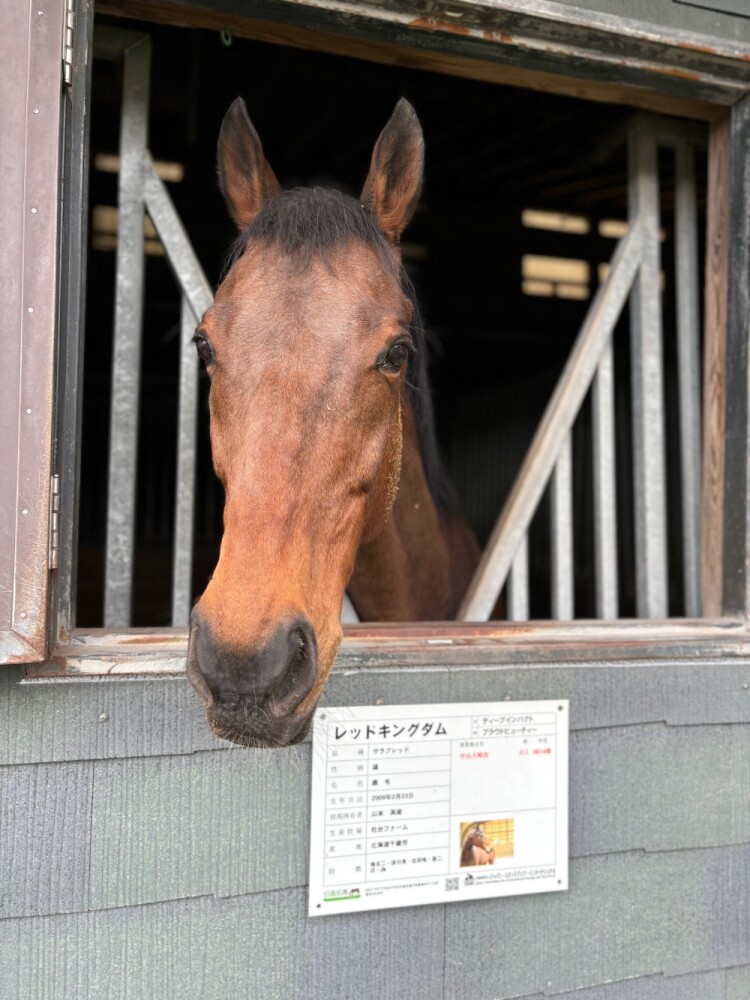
pixel 394 182
pixel 245 178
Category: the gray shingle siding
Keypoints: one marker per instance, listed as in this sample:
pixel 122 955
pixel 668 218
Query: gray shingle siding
pixel 139 857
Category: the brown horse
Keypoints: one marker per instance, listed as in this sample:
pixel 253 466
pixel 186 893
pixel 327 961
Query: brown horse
pixel 476 849
pixel 322 435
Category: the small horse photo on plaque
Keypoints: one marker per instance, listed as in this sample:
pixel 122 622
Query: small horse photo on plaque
pixel 484 840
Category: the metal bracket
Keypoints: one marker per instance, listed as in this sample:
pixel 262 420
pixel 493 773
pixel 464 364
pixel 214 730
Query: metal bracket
pixel 68 39
pixel 54 522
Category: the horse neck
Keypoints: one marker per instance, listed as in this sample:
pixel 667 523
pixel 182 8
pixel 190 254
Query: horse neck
pixel 418 567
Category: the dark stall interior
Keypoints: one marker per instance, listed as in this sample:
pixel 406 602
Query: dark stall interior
pixel 524 195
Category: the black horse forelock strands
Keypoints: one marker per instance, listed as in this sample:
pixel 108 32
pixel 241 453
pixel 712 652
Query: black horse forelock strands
pixel 310 221
pixel 307 222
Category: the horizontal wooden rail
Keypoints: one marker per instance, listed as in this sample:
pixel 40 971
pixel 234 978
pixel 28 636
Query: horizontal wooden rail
pixel 133 654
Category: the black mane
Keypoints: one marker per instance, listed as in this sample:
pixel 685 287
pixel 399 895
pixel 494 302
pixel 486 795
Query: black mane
pixel 308 222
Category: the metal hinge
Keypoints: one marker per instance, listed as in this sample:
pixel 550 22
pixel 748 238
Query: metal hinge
pixel 68 38
pixel 54 523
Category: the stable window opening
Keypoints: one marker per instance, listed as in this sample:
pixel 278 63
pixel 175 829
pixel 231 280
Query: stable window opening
pixel 526 197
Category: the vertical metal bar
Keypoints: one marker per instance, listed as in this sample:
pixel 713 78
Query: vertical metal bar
pixel 127 339
pixel 187 424
pixel 518 583
pixel 647 380
pixel 605 503
pixel 196 298
pixel 688 370
pixel 561 514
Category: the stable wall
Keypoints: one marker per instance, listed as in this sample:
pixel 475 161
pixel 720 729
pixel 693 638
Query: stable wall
pixel 140 857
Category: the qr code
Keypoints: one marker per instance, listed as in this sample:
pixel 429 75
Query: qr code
pixel 451 883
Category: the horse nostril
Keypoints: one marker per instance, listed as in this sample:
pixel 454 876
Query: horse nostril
pixel 276 677
pixel 296 665
pixel 290 664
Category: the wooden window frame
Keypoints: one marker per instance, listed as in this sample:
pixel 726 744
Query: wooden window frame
pixel 31 48
pixel 618 62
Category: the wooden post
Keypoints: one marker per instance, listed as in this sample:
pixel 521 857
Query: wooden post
pixel 736 529
pixel 714 364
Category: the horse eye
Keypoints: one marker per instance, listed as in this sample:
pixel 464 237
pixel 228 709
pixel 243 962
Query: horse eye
pixel 396 356
pixel 204 349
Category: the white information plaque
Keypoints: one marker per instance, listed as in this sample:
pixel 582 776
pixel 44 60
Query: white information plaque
pixel 417 804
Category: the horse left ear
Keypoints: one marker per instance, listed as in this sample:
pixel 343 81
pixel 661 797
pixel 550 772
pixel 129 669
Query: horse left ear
pixel 394 182
pixel 245 177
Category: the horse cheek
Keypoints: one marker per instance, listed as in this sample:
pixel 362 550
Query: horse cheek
pixel 386 488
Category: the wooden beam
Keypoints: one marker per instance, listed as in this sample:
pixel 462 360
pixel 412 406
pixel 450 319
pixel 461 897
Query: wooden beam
pixel 425 51
pixel 102 653
pixel 714 364
pixel 736 560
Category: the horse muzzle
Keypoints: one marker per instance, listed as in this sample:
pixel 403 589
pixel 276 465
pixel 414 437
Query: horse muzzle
pixel 252 697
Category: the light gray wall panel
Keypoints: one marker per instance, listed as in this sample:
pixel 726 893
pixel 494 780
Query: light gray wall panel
pixel 701 986
pixel 45 826
pixel 208 823
pixel 403 946
pixel 738 983
pixel 625 915
pixel 62 721
pixel 659 787
pixel 259 946
pixel 601 694
pixel 238 822
pixel 151 717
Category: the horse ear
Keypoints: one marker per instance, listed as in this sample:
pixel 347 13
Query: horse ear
pixel 394 182
pixel 245 178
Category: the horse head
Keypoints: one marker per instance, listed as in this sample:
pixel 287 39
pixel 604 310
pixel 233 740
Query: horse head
pixel 307 346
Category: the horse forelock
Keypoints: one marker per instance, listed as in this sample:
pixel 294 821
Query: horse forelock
pixel 306 223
